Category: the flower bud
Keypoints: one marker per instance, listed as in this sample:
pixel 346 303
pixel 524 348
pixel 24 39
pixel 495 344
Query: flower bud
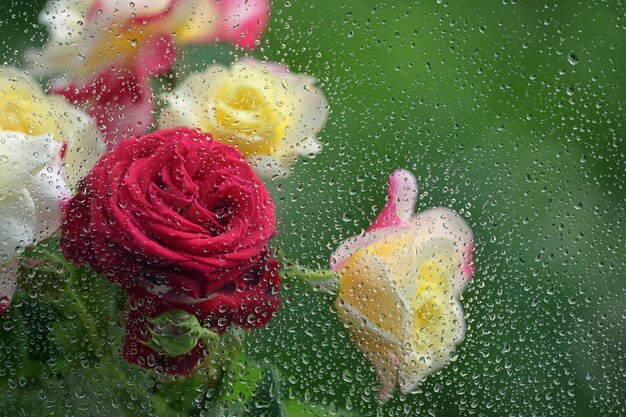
pixel 176 332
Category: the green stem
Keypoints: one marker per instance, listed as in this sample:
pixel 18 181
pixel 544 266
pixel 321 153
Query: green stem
pixel 324 279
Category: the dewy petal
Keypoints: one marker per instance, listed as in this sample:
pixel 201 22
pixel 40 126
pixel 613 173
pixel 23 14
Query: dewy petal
pixel 441 253
pixel 21 155
pixel 268 167
pixel 189 104
pixel 49 191
pixel 369 286
pixel 8 283
pixel 69 40
pixel 139 7
pixel 18 224
pixel 422 360
pixel 84 146
pixel 310 118
pixel 156 56
pixel 352 245
pixel 401 199
pixel 376 314
pixel 378 346
pixel 31 189
pixel 243 21
pixel 443 222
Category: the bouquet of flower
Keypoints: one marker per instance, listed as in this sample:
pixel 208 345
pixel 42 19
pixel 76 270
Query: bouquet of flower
pixel 137 235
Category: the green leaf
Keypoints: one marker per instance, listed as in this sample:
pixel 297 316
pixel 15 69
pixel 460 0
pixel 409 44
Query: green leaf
pixel 267 400
pixel 242 381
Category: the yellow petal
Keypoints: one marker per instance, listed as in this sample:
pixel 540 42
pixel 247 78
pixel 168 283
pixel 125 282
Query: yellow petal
pixel 367 285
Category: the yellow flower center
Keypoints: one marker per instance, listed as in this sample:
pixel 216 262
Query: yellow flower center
pixel 252 111
pixel 434 314
pixel 24 109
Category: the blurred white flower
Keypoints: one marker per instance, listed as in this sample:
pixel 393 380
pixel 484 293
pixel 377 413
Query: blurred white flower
pixel 46 147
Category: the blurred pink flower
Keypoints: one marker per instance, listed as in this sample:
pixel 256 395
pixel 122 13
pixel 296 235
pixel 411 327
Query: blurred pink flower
pixel 120 102
pixel 117 44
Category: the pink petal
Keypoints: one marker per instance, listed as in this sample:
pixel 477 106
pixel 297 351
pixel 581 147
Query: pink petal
pixel 445 223
pixel 243 21
pixel 469 268
pixel 156 56
pixel 118 99
pixel 401 199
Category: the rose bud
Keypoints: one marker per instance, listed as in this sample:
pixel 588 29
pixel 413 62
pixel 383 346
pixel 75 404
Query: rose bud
pixel 399 287
pixel 176 333
pixel 267 112
pixel 155 339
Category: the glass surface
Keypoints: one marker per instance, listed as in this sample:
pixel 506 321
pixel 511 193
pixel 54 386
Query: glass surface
pixel 508 113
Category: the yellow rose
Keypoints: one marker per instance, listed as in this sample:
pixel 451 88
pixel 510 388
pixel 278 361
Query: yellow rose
pixel 399 287
pixel 25 108
pixel 270 114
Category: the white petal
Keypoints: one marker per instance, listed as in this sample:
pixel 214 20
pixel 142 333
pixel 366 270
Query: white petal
pixel 269 167
pixel 310 118
pixel 417 365
pixel 22 155
pixel 69 43
pixel 85 145
pixel 48 191
pixel 17 227
pixel 437 250
pixel 378 346
pixel 445 223
pixel 369 285
pixel 189 104
pixel 403 192
pixel 354 244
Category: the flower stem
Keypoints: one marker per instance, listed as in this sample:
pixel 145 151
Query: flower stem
pixel 324 279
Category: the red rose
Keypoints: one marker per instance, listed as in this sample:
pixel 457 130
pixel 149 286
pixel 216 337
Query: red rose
pixel 173 213
pixel 249 303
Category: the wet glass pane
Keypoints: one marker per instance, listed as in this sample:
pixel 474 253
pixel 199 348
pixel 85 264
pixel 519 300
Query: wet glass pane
pixel 290 208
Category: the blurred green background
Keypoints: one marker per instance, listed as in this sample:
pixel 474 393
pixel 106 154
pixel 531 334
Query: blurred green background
pixel 510 112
